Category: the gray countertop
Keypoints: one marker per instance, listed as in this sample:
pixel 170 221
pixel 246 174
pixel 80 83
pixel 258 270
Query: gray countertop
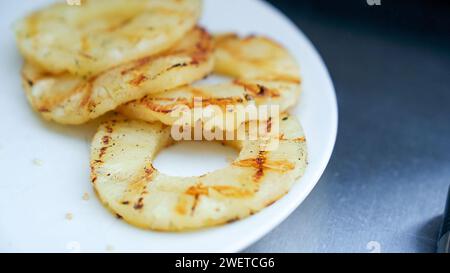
pixel 386 184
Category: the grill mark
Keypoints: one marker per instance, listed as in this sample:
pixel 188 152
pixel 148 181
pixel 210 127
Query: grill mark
pixel 87 88
pixel 269 125
pixel 233 192
pixel 92 166
pixel 177 65
pixel 86 55
pixel 158 108
pixel 105 140
pixel 194 205
pixel 149 170
pixel 198 57
pixel 229 191
pixel 300 139
pixel 203 48
pixel 119 25
pixel 232 220
pixel 194 191
pixel 139 204
pixel 279 166
pixel 200 54
pixel 280 78
pixel 199 190
pixel 136 65
pixel 258 89
pixel 102 151
pixel 260 160
pixel 138 80
pixel 43 110
pixel 261 90
pixel 139 188
pixel 260 163
pixel 151 103
pixel 30 82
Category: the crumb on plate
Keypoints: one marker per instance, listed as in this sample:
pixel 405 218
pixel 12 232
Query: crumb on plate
pixel 69 216
pixel 86 196
pixel 37 162
pixel 109 248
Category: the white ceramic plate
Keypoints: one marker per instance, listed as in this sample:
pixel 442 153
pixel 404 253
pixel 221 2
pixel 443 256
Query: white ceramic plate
pixel 45 167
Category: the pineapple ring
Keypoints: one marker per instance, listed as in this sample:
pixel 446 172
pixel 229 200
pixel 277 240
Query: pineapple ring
pixel 265 74
pixel 88 39
pixel 70 99
pixel 126 182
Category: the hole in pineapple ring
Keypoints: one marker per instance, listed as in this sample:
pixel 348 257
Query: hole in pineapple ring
pixel 194 158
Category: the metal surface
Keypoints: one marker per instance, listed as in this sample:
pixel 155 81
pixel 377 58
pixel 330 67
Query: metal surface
pixel 385 187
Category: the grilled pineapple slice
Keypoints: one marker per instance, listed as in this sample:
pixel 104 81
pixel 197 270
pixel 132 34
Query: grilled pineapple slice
pixel 126 182
pixel 70 99
pixel 88 39
pixel 265 74
pixel 234 97
pixel 254 57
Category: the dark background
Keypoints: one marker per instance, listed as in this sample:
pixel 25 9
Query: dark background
pixel 427 18
pixel 388 177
